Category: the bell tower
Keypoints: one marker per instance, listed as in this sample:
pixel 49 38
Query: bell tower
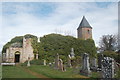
pixel 84 31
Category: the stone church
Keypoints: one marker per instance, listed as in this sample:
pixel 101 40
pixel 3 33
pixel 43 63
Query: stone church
pixel 18 53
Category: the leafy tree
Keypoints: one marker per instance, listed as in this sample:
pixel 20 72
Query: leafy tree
pixel 15 39
pixel 55 43
pixel 112 54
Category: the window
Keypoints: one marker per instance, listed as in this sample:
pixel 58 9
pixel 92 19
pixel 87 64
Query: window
pixel 88 31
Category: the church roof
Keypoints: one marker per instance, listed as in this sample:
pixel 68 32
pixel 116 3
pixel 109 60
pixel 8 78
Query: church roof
pixel 84 23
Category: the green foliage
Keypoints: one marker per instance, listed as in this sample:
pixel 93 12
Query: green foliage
pixel 118 74
pixel 15 39
pixel 56 43
pixel 19 39
pixel 112 54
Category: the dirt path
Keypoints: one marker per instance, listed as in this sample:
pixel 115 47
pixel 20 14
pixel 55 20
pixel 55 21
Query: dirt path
pixel 35 74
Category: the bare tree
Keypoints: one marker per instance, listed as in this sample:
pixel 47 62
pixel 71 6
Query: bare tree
pixel 108 42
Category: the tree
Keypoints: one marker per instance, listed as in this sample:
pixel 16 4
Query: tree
pixel 55 43
pixel 108 43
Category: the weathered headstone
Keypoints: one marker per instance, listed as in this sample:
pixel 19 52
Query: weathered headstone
pixel 85 65
pixel 72 55
pixel 64 67
pixel 100 58
pixel 28 64
pixel 36 56
pixel 108 69
pixel 94 64
pixel 61 65
pixel 44 62
pixel 57 61
pixel 69 61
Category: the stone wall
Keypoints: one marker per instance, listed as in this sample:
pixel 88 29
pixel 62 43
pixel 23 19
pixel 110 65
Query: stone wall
pixel 10 54
pixel 27 49
pixel 25 52
pixel 85 33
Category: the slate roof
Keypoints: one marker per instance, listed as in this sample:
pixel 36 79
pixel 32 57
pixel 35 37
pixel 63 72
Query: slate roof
pixel 84 23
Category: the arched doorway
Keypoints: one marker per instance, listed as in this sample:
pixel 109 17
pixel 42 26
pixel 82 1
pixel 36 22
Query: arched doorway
pixel 17 57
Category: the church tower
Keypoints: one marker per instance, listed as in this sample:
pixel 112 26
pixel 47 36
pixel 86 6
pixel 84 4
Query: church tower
pixel 84 31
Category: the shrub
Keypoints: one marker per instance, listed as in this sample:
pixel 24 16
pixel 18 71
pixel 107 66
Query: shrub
pixel 33 62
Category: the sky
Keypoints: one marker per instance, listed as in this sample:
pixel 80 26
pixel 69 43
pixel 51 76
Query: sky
pixel 42 18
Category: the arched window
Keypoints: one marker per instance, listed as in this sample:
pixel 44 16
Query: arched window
pixel 88 31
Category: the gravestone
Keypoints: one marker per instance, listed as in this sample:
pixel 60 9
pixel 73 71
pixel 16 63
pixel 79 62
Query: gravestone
pixel 85 65
pixel 61 65
pixel 94 64
pixel 28 64
pixel 69 61
pixel 100 58
pixel 72 55
pixel 36 56
pixel 64 67
pixel 56 61
pixel 44 62
pixel 108 69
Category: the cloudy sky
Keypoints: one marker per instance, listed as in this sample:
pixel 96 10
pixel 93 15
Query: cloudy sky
pixel 42 18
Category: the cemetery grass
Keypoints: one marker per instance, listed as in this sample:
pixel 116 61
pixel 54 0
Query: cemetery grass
pixel 15 72
pixel 19 72
pixel 52 73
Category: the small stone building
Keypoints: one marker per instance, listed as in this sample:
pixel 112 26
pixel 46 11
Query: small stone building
pixel 19 53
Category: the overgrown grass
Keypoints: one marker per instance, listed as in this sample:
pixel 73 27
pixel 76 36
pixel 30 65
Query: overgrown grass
pixel 15 72
pixel 52 73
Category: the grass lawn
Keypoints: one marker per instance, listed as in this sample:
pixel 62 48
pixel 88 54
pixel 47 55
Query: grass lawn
pixel 20 72
pixel 15 72
pixel 52 73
